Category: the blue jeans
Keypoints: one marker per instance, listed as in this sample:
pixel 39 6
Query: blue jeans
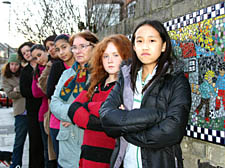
pixel 53 133
pixel 21 127
pixel 45 143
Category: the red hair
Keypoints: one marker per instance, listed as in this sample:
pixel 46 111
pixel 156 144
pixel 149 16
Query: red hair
pixel 98 73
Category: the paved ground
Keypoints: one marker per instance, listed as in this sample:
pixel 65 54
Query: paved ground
pixel 7 134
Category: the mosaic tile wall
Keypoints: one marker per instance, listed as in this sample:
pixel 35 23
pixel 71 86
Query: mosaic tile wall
pixel 198 38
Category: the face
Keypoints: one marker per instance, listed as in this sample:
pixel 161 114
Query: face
pixel 14 67
pixel 148 45
pixel 210 79
pixel 50 47
pixel 81 48
pixel 111 59
pixel 63 50
pixel 25 50
pixel 222 72
pixel 40 56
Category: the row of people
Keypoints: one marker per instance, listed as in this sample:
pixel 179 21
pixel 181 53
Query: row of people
pixel 114 103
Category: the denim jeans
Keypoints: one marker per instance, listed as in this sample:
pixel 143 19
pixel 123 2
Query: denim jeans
pixel 53 134
pixel 45 143
pixel 21 127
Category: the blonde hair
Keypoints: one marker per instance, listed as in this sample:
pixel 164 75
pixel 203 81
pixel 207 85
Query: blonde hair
pixel 209 73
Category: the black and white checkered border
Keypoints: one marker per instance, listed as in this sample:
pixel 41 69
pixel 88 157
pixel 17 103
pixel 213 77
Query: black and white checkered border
pixel 206 134
pixel 195 17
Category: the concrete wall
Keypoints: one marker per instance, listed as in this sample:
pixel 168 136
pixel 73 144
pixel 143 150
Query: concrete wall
pixel 194 150
pixel 165 10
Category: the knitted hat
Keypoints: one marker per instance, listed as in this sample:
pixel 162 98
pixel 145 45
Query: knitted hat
pixel 13 58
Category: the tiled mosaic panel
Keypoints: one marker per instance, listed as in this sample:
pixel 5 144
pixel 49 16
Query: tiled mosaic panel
pixel 198 39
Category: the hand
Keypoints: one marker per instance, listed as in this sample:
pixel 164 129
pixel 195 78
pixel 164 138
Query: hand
pixel 122 107
pixel 66 124
pixel 14 89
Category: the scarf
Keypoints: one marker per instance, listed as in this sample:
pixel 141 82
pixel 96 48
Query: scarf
pixel 76 83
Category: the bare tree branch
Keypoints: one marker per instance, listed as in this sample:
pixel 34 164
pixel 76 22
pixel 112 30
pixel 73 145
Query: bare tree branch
pixel 48 17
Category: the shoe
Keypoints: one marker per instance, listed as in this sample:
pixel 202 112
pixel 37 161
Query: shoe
pixel 6 157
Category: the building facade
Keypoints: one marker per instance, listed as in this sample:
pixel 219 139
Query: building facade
pixel 197 31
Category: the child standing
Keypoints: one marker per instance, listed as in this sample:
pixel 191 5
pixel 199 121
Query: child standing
pixel 149 106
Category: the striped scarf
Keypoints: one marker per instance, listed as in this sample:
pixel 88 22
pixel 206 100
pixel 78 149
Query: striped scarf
pixel 76 83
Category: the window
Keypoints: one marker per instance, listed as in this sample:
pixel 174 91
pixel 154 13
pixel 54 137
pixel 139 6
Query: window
pixel 131 9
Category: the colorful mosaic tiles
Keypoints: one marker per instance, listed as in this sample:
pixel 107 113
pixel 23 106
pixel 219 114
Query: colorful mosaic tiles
pixel 199 40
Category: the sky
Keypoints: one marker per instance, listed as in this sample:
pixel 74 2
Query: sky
pixel 13 38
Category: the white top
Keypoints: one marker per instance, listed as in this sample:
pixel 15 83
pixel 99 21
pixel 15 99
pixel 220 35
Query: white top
pixel 132 157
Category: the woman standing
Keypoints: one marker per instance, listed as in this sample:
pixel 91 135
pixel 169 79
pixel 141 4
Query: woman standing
pixel 10 83
pixel 149 106
pixel 39 53
pixel 63 51
pixel 36 151
pixel 105 63
pixel 70 84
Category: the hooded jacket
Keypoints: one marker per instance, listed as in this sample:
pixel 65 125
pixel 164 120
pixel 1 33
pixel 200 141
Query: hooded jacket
pixel 157 127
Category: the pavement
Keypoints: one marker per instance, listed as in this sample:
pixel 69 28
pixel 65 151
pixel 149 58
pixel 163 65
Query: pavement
pixel 7 134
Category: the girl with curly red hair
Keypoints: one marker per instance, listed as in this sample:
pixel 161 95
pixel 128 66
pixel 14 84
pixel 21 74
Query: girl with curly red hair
pixel 105 63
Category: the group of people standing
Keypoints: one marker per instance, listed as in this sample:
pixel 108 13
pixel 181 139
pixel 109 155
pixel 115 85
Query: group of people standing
pixel 96 104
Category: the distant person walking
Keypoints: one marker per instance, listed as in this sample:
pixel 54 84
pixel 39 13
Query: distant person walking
pixel 10 82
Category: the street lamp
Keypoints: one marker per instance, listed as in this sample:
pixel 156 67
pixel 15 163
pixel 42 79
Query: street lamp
pixel 8 3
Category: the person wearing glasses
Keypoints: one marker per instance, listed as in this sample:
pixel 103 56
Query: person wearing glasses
pixel 105 62
pixel 70 84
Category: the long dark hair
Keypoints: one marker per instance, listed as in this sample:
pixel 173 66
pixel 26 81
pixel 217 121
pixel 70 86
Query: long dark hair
pixel 49 38
pixel 164 60
pixel 20 55
pixel 8 73
pixel 37 47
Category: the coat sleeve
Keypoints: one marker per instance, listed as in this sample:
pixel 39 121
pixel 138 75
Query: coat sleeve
pixel 37 92
pixel 53 78
pixel 59 107
pixel 172 129
pixel 118 122
pixel 26 84
pixel 42 80
pixel 9 89
pixel 83 113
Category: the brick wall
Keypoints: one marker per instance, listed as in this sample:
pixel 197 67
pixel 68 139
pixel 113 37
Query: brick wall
pixel 194 150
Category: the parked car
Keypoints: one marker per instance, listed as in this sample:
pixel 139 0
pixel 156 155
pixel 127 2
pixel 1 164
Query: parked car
pixel 4 100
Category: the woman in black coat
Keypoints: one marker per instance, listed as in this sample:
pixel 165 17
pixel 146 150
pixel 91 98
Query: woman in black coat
pixel 149 106
pixel 36 151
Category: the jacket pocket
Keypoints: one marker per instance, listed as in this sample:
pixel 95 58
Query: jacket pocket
pixel 63 135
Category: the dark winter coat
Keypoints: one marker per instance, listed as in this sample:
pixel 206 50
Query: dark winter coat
pixel 157 127
pixel 53 78
pixel 32 104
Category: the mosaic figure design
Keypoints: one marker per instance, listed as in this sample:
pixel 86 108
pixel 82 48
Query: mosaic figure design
pixel 220 85
pixel 206 89
pixel 198 39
